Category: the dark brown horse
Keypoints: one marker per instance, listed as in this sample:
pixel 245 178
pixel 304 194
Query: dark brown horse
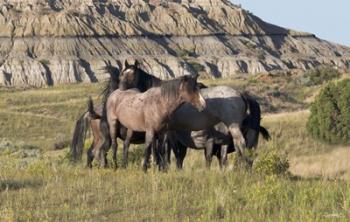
pixel 148 112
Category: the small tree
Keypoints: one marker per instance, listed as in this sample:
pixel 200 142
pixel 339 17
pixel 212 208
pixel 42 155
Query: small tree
pixel 330 114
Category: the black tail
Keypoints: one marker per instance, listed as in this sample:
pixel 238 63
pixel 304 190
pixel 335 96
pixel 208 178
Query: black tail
pixel 91 110
pixel 79 137
pixel 265 133
pixel 251 124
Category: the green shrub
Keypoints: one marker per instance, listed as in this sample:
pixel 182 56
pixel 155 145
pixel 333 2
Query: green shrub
pixel 330 114
pixel 185 52
pixel 271 163
pixel 45 62
pixel 318 76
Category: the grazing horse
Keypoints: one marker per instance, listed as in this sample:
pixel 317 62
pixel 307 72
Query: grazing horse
pixel 148 112
pixel 211 140
pixel 140 80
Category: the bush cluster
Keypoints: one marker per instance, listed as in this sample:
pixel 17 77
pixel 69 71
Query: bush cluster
pixel 330 114
pixel 271 163
pixel 318 76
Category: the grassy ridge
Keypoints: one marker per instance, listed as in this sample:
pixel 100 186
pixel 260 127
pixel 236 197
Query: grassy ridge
pixel 44 187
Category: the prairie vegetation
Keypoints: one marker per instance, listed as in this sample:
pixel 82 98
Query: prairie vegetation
pixel 37 183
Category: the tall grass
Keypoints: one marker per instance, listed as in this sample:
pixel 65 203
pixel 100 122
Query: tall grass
pixel 49 191
pixel 45 187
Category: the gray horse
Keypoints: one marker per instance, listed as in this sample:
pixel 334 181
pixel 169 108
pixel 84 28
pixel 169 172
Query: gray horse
pixel 217 139
pixel 212 140
pixel 225 105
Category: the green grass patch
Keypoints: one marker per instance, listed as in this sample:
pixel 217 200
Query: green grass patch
pixel 44 187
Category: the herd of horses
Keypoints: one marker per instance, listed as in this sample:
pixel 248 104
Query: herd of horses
pixel 176 114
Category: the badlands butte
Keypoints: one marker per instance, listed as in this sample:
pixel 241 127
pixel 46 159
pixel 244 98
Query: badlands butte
pixel 48 42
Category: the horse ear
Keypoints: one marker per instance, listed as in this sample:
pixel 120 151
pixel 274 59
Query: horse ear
pixel 185 78
pixel 136 64
pixel 126 64
pixel 120 65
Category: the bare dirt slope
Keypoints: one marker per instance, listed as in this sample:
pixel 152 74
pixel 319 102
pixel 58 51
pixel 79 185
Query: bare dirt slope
pixel 46 42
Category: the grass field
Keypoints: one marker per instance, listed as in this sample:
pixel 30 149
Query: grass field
pixel 37 183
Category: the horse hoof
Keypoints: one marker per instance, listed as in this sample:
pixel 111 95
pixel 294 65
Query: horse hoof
pixel 145 168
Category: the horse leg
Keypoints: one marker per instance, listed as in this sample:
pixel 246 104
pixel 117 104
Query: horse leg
pixel 113 134
pixel 126 147
pixel 155 154
pixel 223 156
pixel 103 154
pixel 181 157
pixel 148 150
pixel 208 151
pixel 103 138
pixel 168 152
pixel 180 152
pixel 239 142
pixel 95 152
pixel 90 156
pixel 163 151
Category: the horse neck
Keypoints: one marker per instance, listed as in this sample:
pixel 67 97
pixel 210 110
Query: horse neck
pixel 171 104
pixel 146 81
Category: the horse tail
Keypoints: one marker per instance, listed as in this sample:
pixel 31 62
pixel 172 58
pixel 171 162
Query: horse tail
pixel 252 120
pixel 92 111
pixel 265 133
pixel 79 136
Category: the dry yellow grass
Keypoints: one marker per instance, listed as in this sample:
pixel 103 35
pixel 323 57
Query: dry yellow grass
pixel 317 159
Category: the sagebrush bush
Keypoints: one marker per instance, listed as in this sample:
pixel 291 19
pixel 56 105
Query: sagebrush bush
pixel 271 163
pixel 330 114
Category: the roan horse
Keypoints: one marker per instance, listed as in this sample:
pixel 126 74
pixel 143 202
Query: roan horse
pixel 224 104
pixel 148 112
pixel 142 81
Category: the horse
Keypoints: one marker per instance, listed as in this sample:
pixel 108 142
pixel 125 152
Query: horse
pixel 148 112
pixel 129 81
pixel 144 82
pixel 212 140
pixel 224 104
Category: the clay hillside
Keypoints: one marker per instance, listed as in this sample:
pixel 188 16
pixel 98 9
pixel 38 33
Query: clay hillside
pixel 46 42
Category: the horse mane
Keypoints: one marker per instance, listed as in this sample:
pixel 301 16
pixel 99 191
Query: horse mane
pixel 111 84
pixel 170 88
pixel 147 80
